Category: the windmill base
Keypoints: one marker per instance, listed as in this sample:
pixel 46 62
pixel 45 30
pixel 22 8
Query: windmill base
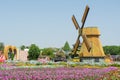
pixel 92 60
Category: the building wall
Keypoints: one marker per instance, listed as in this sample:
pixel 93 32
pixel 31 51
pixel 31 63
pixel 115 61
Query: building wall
pixel 23 55
pixel 96 46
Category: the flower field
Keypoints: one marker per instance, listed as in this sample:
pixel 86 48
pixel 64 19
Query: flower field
pixel 60 73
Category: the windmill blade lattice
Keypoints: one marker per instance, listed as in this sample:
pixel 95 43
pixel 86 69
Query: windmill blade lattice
pixel 80 31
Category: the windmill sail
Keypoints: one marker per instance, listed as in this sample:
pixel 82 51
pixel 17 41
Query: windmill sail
pixel 76 46
pixel 80 30
pixel 87 43
pixel 75 22
pixel 85 16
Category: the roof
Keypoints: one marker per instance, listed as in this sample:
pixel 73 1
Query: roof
pixel 91 31
pixel 61 52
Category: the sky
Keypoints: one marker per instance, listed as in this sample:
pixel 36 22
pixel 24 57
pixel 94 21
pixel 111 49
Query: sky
pixel 47 23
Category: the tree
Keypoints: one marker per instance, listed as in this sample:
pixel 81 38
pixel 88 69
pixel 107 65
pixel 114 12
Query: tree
pixel 33 52
pixel 113 50
pixel 48 52
pixel 22 47
pixel 1 46
pixel 66 47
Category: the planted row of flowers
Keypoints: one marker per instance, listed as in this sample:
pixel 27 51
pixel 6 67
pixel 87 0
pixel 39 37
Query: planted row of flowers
pixel 58 74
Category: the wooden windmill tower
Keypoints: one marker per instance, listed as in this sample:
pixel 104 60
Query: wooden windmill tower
pixel 91 48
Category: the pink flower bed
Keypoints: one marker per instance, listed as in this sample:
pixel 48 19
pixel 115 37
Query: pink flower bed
pixel 57 74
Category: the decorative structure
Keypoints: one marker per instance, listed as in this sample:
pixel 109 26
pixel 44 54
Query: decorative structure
pixel 90 50
pixel 60 56
pixel 23 54
pixel 60 53
pixel 10 50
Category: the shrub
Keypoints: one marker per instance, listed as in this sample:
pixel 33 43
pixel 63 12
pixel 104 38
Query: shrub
pixel 38 63
pixel 115 65
pixel 12 56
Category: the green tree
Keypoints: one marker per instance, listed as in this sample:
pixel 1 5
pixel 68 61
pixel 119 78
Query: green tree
pixel 48 52
pixel 1 46
pixel 113 50
pixel 66 47
pixel 22 47
pixel 33 52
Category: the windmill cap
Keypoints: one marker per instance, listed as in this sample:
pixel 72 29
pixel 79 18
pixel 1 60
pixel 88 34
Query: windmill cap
pixel 91 31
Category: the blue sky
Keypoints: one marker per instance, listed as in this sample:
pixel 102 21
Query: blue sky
pixel 48 23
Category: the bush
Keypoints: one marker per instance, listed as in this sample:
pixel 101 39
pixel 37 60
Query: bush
pixel 12 56
pixel 115 65
pixel 38 63
pixel 33 52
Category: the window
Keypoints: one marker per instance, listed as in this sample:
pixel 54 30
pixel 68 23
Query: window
pixel 81 60
pixel 96 59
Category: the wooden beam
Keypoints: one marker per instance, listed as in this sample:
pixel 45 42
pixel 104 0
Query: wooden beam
pixel 87 43
pixel 85 16
pixel 75 22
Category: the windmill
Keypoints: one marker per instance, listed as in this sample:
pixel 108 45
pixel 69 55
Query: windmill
pixel 80 30
pixel 90 47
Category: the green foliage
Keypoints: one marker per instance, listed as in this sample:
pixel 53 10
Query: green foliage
pixel 115 65
pixel 66 47
pixel 1 46
pixel 33 52
pixel 22 47
pixel 49 63
pixel 38 63
pixel 12 56
pixel 62 63
pixel 48 52
pixel 73 65
pixel 113 50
